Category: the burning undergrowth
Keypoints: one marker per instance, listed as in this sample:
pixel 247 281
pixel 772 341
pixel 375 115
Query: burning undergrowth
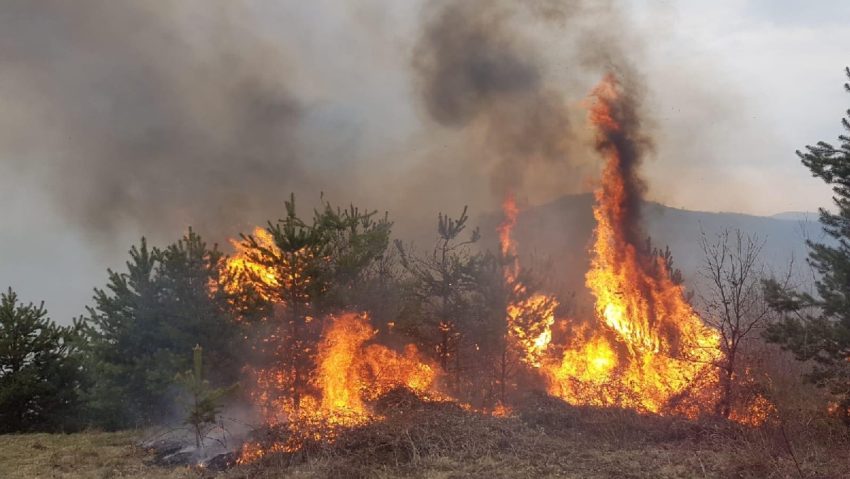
pixel 351 374
pixel 336 380
pixel 654 351
pixel 416 433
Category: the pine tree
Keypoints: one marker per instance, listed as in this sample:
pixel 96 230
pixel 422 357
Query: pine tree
pixel 195 306
pixel 39 369
pixel 817 327
pixel 140 326
pixel 441 293
pixel 125 342
pixel 318 268
pixel 204 401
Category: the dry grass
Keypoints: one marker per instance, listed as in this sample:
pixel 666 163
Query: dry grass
pixel 81 455
pixel 545 438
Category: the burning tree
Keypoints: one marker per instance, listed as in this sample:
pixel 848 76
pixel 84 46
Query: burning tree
pixel 300 271
pixel 443 291
pixel 653 350
pixel 528 314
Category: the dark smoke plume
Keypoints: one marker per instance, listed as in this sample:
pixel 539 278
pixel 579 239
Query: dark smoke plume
pixel 474 70
pixel 162 113
pixel 168 113
pixel 480 70
pixel 623 140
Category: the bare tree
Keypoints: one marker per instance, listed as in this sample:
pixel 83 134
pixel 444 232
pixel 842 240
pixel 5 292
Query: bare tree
pixel 733 300
pixel 443 282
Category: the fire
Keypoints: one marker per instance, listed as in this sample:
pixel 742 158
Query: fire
pixel 529 317
pixel 653 347
pixel 350 372
pixel 246 272
pixel 647 349
pixel 242 270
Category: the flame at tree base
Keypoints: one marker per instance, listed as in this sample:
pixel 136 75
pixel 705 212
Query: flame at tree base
pixel 349 373
pixel 598 369
pixel 650 351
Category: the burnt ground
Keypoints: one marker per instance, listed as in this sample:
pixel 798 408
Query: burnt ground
pixel 542 438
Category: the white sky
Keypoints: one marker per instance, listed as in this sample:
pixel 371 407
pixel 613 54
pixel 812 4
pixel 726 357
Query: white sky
pixel 781 64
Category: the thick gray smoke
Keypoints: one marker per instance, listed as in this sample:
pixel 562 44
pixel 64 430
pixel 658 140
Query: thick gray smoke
pixel 169 113
pixel 121 118
pixel 163 113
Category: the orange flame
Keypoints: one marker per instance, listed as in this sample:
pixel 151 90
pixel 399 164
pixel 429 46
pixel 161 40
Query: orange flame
pixel 529 317
pixel 657 347
pixel 350 372
pixel 242 271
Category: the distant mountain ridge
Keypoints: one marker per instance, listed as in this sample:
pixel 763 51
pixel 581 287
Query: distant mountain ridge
pixel 555 236
pixel 797 215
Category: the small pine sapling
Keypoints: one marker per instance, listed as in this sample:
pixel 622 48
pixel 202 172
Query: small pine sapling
pixel 204 401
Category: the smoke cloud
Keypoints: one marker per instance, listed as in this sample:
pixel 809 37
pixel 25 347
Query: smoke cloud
pixel 480 69
pixel 158 113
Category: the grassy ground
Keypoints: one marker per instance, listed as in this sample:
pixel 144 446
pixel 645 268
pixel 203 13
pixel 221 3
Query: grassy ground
pixel 544 439
pixel 81 455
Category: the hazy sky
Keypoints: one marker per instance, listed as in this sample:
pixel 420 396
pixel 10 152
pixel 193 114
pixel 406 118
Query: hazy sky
pixel 734 87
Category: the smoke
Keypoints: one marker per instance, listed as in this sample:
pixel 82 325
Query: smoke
pixel 159 113
pixel 481 69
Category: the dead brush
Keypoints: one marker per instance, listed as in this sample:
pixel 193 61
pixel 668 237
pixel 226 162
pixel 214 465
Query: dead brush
pixel 410 431
pixel 613 425
pixel 792 446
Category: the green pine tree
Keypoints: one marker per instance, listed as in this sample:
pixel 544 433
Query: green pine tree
pixel 125 357
pixel 140 326
pixel 817 327
pixel 40 375
pixel 196 308
pixel 441 294
pixel 319 267
pixel 204 401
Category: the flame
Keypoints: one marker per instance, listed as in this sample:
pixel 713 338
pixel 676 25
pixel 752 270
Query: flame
pixel 648 350
pixel 529 317
pixel 653 347
pixel 350 369
pixel 758 411
pixel 242 273
pixel 506 243
pixel 350 372
pixel 245 271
